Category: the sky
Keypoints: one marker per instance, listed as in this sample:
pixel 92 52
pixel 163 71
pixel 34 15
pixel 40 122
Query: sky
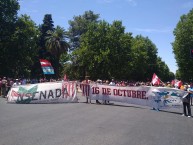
pixel 155 19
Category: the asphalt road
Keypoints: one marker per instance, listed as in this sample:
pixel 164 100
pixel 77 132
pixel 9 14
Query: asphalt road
pixel 91 124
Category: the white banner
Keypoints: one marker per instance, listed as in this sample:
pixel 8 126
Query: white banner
pixel 156 97
pixel 52 92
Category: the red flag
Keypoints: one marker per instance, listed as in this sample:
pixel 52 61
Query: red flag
pixel 45 63
pixel 178 84
pixel 155 80
pixel 68 89
pixel 173 82
pixel 85 89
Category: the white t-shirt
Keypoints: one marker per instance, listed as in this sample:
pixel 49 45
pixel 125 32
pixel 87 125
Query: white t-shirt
pixel 112 84
pixel 16 84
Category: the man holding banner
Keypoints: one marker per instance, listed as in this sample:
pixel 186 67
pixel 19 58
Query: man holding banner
pixel 186 102
pixel 85 87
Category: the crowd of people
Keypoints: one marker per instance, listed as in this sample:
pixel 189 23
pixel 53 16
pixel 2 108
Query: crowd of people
pixel 7 83
pixel 186 100
pixel 113 82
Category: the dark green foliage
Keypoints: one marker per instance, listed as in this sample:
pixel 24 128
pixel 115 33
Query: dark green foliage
pixel 98 49
pixel 22 55
pixel 79 26
pixel 8 17
pixel 56 45
pixel 106 52
pixel 144 57
pixel 103 51
pixel 44 28
pixel 21 49
pixel 145 61
pixel 181 46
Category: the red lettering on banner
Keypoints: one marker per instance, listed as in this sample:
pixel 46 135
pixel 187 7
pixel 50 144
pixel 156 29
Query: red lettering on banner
pixel 119 92
pixel 124 93
pixel 134 94
pixel 95 90
pixel 115 92
pixel 139 94
pixel 143 95
pixel 130 93
pixel 106 91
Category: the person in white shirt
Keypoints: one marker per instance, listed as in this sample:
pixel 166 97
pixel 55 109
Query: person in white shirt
pixel 17 83
pixel 112 83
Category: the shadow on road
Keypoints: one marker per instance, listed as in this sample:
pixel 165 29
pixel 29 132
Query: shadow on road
pixel 116 105
pixel 172 112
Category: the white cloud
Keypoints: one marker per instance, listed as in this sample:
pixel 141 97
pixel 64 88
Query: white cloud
pixel 147 30
pixel 132 2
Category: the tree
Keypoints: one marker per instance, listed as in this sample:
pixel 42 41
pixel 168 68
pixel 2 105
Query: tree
pixel 182 44
pixel 79 26
pixel 104 51
pixel 56 44
pixel 144 61
pixel 119 44
pixel 8 18
pixel 143 58
pixel 23 48
pixel 178 76
pixel 163 71
pixel 44 28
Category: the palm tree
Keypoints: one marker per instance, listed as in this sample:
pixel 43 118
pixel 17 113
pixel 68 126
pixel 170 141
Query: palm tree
pixel 56 45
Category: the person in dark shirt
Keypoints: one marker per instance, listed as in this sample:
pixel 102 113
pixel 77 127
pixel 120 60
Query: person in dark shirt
pixel 3 86
pixel 186 102
pixel 0 86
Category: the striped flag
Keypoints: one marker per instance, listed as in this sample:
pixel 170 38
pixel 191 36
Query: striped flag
pixel 68 89
pixel 178 83
pixel 155 80
pixel 46 66
pixel 85 89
